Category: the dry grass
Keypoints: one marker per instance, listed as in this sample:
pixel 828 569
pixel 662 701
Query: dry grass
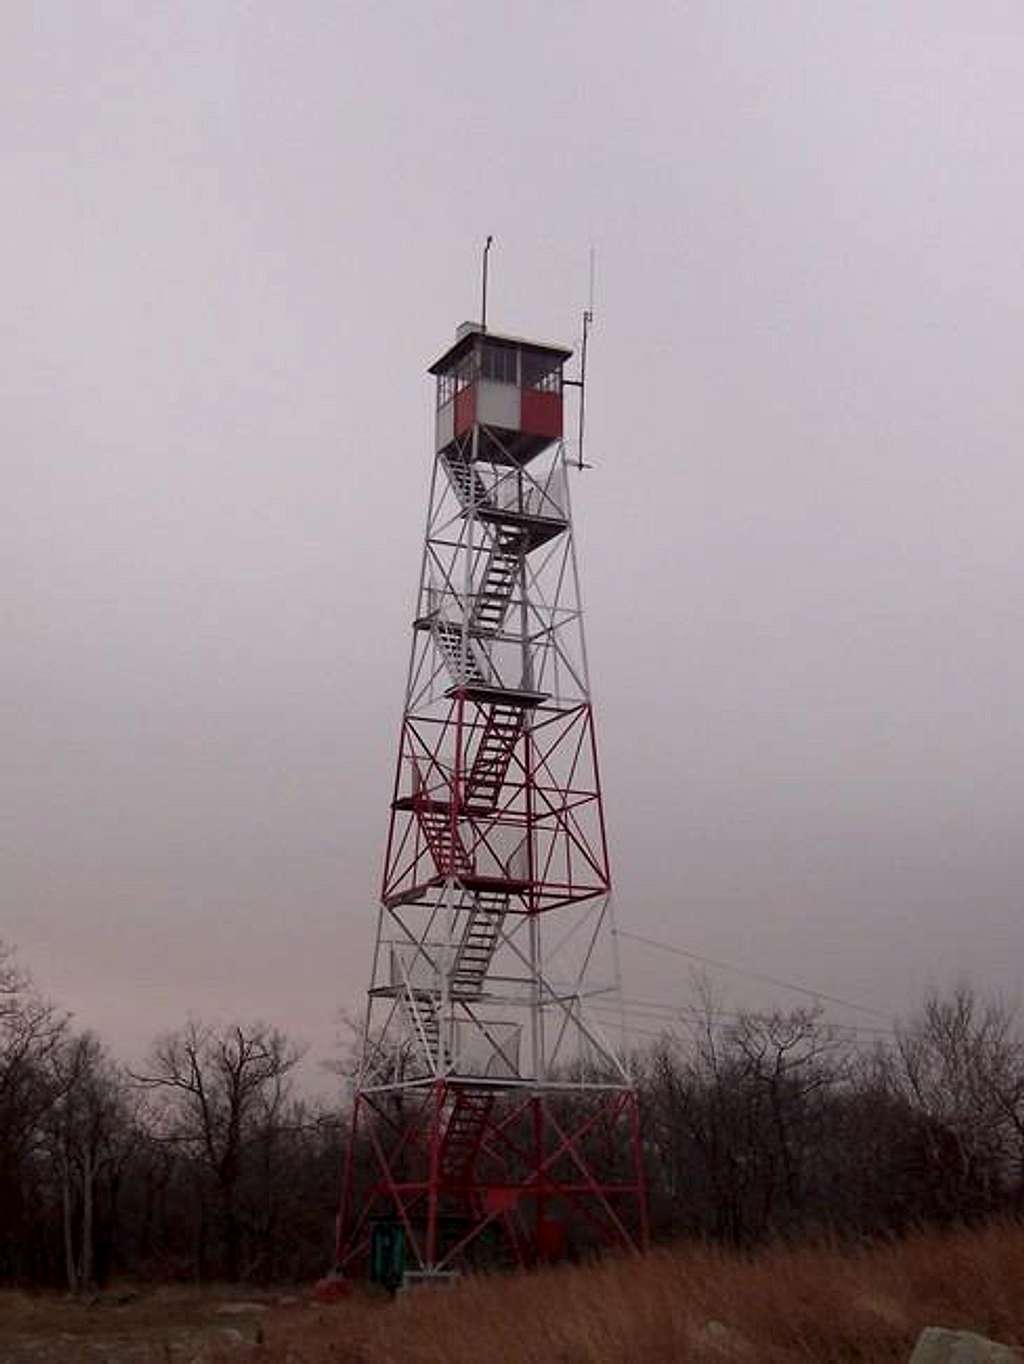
pixel 813 1303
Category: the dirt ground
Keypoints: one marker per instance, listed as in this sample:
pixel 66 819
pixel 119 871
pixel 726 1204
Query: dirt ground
pixel 165 1325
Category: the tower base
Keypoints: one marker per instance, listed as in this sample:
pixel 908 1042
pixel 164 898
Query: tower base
pixel 460 1175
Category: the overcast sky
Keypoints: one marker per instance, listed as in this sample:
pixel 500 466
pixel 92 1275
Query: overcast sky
pixel 233 237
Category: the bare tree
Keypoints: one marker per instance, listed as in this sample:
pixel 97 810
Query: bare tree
pixel 31 1032
pixel 738 1106
pixel 959 1062
pixel 92 1130
pixel 789 1061
pixel 222 1090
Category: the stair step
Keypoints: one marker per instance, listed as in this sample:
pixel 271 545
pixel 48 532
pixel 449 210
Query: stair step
pixel 467 482
pixel 494 753
pixel 444 844
pixel 479 944
pixel 464 1133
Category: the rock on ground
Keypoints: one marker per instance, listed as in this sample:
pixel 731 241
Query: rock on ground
pixel 714 1337
pixel 938 1346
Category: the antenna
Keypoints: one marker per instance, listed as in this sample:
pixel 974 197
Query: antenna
pixel 588 322
pixel 483 301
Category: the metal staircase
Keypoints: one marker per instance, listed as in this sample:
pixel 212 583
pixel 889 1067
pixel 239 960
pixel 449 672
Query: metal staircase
pixel 488 771
pixel 449 640
pixel 468 484
pixel 467 1123
pixel 424 1009
pixel 492 600
pixel 490 764
pixel 443 840
pixel 479 944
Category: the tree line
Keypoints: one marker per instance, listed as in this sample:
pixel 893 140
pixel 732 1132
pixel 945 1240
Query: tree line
pixel 206 1164
pixel 778 1124
pixel 203 1165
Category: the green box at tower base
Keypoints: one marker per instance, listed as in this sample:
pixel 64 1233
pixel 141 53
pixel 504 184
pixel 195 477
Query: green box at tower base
pixel 387 1253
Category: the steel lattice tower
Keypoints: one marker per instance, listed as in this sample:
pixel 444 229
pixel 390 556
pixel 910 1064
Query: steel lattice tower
pixel 494 1121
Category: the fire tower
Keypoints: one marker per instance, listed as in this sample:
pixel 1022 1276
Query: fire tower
pixel 494 1121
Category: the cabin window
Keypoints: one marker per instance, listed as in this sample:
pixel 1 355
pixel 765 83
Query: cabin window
pixel 543 372
pixel 499 363
pixel 465 372
pixel 454 380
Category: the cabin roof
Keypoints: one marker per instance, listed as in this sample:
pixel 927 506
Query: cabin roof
pixel 468 335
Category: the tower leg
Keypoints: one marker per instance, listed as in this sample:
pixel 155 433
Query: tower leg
pixel 434 1176
pixel 342 1228
pixel 640 1173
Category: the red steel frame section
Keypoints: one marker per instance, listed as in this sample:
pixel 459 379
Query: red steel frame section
pixel 538 800
pixel 521 1180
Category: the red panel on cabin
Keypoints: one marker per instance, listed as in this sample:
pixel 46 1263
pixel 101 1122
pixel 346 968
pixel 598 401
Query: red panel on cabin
pixel 541 413
pixel 465 409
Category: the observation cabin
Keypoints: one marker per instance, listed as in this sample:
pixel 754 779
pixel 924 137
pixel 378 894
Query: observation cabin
pixel 511 388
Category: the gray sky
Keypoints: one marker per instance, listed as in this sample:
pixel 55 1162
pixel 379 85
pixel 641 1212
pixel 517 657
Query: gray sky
pixel 234 236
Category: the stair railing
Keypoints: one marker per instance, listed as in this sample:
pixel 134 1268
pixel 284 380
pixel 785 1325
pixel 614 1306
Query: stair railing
pixel 412 1004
